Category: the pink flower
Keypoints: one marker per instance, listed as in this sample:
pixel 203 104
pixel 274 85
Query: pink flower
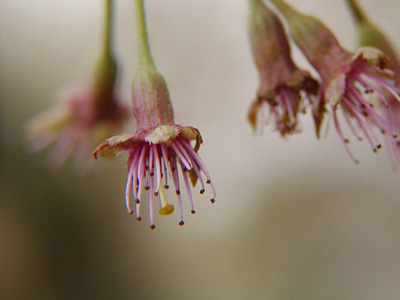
pixel 283 86
pixel 84 117
pixel 349 81
pixel 81 120
pixel 370 35
pixel 155 158
pixel 157 150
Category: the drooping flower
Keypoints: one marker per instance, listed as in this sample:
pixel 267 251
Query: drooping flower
pixel 348 79
pixel 159 147
pixel 84 117
pixel 283 86
pixel 370 35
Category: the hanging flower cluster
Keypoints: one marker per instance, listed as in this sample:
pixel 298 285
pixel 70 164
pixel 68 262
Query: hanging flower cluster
pixel 361 85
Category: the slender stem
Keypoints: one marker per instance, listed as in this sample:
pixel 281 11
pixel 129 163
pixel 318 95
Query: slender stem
pixel 254 1
pixel 108 29
pixel 356 11
pixel 144 52
pixel 284 8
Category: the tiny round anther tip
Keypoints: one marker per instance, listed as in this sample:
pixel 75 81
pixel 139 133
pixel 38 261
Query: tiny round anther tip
pixel 208 181
pixel 166 186
pixel 193 212
pixel 152 227
pixel 212 201
pixel 139 219
pixel 379 146
pixel 146 188
pixel 130 212
pixel 357 162
pixel 181 223
pixel 202 191
pixel 178 192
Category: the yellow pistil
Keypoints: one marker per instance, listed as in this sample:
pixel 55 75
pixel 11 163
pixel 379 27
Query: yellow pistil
pixel 166 208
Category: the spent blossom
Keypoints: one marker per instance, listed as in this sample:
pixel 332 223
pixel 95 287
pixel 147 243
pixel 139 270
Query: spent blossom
pixel 84 117
pixel 159 148
pixel 348 79
pixel 283 86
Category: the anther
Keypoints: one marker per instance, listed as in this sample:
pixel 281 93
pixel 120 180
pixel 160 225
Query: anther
pixel 156 194
pixel 193 212
pixel 130 212
pixel 146 168
pixel 212 201
pixel 379 146
pixel 151 173
pixel 146 188
pixel 383 131
pixel 137 201
pixel 139 219
pixel 181 223
pixel 152 226
pixel 202 191
pixel 347 141
pixel 208 181
pixel 178 192
pixel 166 186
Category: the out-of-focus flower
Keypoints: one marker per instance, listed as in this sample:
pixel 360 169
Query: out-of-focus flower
pixel 159 147
pixel 348 79
pixel 370 35
pixel 85 117
pixel 283 86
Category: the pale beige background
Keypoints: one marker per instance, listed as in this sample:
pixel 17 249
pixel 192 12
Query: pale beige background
pixel 294 219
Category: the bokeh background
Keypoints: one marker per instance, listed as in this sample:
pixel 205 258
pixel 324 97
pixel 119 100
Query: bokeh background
pixel 294 218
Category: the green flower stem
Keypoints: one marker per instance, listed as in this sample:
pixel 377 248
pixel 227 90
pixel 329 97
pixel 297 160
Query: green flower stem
pixel 144 52
pixel 108 30
pixel 358 14
pixel 106 67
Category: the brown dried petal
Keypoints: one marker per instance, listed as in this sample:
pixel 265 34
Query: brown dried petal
pixel 113 146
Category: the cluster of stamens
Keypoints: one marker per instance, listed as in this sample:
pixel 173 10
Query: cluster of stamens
pixel 363 84
pixel 151 167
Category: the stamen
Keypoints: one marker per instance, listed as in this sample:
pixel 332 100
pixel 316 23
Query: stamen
pixel 199 161
pixel 180 155
pixel 339 130
pixel 185 178
pixel 151 204
pixel 140 173
pixel 378 80
pixel 158 167
pixel 175 178
pixel 128 188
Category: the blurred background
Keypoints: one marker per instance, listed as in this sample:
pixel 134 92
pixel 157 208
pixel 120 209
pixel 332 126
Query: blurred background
pixel 294 218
